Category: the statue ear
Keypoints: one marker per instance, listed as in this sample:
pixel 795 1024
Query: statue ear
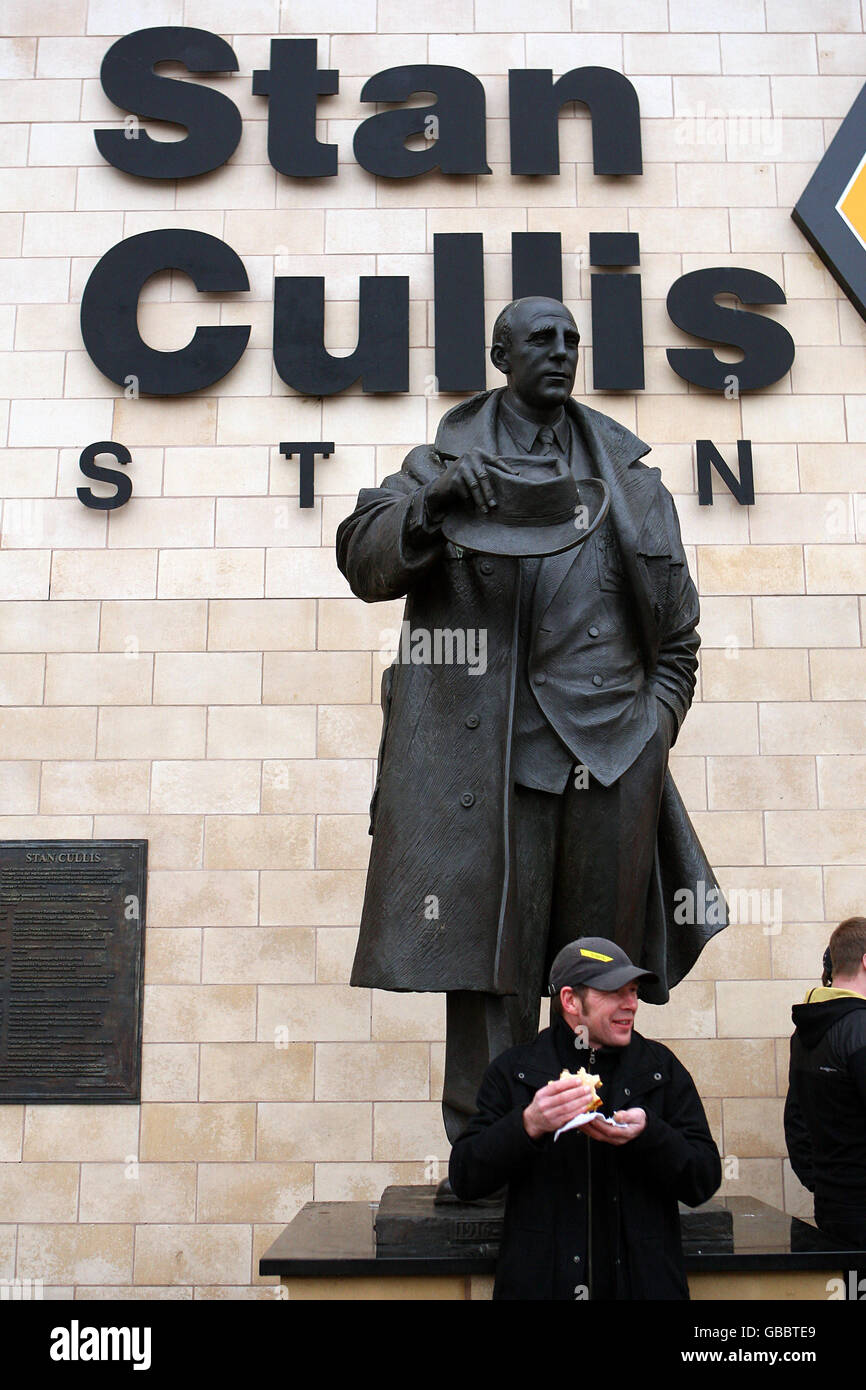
pixel 500 359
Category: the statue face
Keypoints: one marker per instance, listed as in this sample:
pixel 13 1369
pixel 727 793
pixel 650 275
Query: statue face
pixel 542 359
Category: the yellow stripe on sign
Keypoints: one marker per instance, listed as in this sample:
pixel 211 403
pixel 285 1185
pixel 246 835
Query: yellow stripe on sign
pixel 852 204
pixel 595 955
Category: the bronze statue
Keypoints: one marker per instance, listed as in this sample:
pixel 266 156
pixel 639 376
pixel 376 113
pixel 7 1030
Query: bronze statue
pixel 526 800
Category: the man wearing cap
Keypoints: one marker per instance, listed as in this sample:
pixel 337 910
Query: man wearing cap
pixel 592 1213
pixel 512 804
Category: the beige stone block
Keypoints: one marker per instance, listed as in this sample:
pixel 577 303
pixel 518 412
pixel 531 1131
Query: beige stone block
pixel 780 417
pixel 74 678
pixel 742 950
pixel 719 728
pixel 349 730
pixel 202 897
pixel 48 733
pixel 676 418
pixel 193 472
pixel 199 1013
pixel 196 1254
pixel 179 1133
pixel 335 951
pixel 299 898
pixel 806 622
pixel 81 1133
pixel 159 625
pixel 731 836
pixel 800 889
pixel 256 842
pixel 841 782
pixel 238 1192
pixel 258 955
pixel 173 956
pixel 11 1133
pixel 399 1017
pixel 163 731
pixel 84 574
pixel 829 468
pixel 753 1127
pixel 798 949
pixel 816 837
pixel 762 1009
pixel 743 673
pixel 315 1013
pixel 310 677
pixel 689 774
pixel 267 1070
pixel 342 842
pixel 163 522
pixel 267 521
pixel 761 783
pixel 19 788
pixel 151 421
pixel 827 727
pixel 314 1132
pixel 690 1013
pixel 835 569
pixel 24 574
pixel 169 1071
pixel 200 678
pixel 220 574
pixel 76 1254
pixel 365 1182
pixel 304 572
pixel 822 520
pixel 372 1071
pixel 133 1293
pixel 759 1178
pixel 845 889
pixel 256 731
pixel 725 622
pixel 406 1131
pixel 138 1192
pixel 716 1064
pixel 217 788
pixel 90 787
pixel 39 1192
pixel 280 417
pixel 735 569
pixel 51 522
pixel 349 625
pixel 262 625
pixel 29 473
pixel 45 827
pixel 332 785
pixel 838 675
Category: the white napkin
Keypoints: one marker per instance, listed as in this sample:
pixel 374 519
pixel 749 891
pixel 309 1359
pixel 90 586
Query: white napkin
pixel 584 1119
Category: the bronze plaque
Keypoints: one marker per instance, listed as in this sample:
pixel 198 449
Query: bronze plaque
pixel 71 969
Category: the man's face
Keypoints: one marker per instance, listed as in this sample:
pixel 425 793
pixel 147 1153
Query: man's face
pixel 542 360
pixel 608 1016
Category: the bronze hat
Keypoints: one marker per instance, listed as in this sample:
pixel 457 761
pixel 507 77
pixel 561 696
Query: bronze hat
pixel 540 509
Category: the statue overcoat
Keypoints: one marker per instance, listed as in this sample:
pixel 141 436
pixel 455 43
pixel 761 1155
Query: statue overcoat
pixel 439 909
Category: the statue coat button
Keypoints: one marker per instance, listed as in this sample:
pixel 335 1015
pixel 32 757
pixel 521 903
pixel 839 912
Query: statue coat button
pixel 486 567
pixel 467 799
pixel 472 721
pixel 540 678
pixel 593 631
pixel 597 680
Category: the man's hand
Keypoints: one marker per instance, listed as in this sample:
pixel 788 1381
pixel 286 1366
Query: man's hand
pixel 555 1104
pixel 464 483
pixel 633 1123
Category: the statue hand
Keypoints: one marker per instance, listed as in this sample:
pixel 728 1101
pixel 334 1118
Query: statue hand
pixel 464 483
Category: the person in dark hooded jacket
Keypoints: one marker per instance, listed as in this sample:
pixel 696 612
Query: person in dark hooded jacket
pixel 825 1110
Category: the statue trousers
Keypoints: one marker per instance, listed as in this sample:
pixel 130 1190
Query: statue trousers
pixel 583 863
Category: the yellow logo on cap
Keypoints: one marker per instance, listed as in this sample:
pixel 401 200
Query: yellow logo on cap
pixel 595 955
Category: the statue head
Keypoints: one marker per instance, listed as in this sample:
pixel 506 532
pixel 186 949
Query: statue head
pixel 535 344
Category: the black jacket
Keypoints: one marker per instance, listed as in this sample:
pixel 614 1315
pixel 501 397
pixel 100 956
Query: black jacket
pixel 825 1111
pixel 546 1250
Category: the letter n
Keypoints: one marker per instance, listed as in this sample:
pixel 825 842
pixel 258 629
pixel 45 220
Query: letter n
pixel 709 457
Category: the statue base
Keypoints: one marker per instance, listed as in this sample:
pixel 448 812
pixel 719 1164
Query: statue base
pixel 411 1222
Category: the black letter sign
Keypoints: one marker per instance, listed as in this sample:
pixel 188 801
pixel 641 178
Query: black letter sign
pixel 768 347
pixel 109 309
pixel 213 122
pixel 454 125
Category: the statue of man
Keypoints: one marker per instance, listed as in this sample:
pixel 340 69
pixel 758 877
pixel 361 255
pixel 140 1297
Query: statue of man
pixel 525 804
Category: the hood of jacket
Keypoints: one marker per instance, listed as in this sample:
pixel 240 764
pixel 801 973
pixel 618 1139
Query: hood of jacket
pixel 822 1008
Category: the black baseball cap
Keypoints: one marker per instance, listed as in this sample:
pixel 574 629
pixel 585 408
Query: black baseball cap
pixel 595 961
